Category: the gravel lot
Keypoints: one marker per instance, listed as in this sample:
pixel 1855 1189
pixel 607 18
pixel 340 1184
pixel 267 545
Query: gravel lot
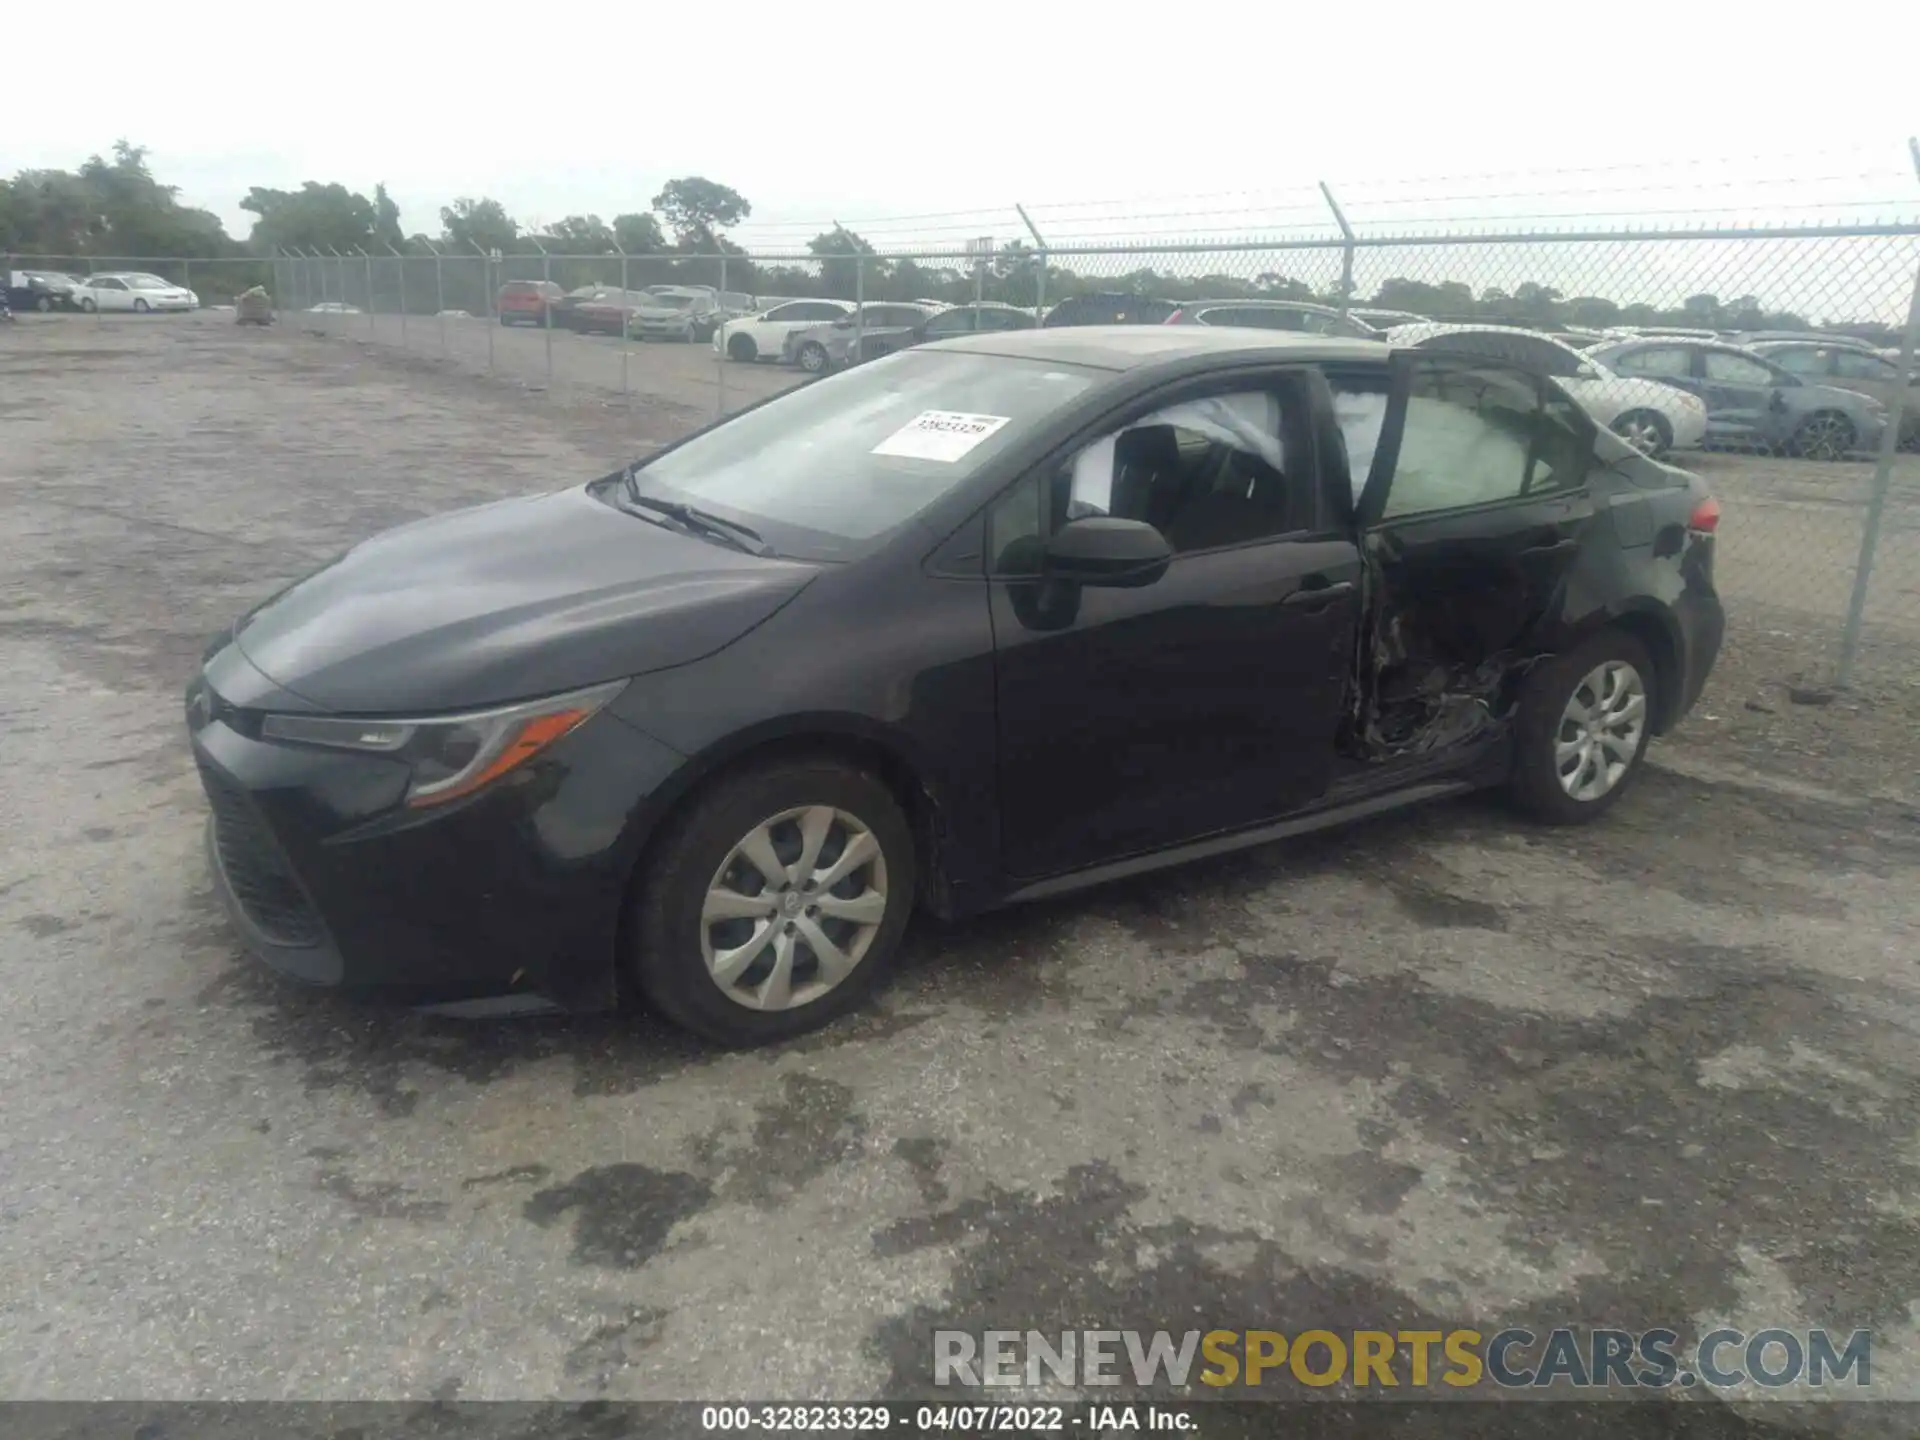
pixel 1441 1068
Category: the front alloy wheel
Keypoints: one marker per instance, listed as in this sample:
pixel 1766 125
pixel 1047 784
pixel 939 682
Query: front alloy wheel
pixel 793 908
pixel 775 903
pixel 813 357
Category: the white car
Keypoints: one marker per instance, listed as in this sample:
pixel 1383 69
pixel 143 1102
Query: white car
pixel 333 307
pixel 1652 417
pixel 139 293
pixel 763 336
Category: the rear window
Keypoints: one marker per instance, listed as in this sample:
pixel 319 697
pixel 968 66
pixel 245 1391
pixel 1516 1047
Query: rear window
pixel 1111 310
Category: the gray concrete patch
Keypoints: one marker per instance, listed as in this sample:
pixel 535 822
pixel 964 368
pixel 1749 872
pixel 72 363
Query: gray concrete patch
pixel 1435 1070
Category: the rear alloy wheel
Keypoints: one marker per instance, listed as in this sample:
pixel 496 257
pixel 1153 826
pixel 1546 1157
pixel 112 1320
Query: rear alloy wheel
pixel 1825 436
pixel 777 904
pixel 87 305
pixel 741 348
pixel 1584 721
pixel 43 303
pixel 1646 430
pixel 813 357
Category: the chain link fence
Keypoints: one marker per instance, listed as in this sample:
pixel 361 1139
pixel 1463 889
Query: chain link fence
pixel 1797 342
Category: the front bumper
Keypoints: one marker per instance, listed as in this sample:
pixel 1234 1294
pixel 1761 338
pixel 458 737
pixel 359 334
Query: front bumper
pixel 517 891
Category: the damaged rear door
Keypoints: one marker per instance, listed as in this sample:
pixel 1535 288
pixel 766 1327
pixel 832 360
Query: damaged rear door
pixel 1472 517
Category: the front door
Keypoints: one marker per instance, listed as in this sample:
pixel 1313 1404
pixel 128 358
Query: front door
pixel 1134 719
pixel 1473 516
pixel 1744 404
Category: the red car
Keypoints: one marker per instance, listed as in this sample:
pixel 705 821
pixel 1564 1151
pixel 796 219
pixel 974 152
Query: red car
pixel 525 302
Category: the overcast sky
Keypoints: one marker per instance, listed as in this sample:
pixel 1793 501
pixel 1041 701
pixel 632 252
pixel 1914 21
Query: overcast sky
pixel 855 110
pixel 924 124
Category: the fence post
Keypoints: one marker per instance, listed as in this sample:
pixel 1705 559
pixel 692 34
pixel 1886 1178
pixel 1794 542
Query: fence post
pixel 372 309
pixel 401 261
pixel 339 283
pixel 1882 483
pixel 486 298
pixel 186 275
pixel 720 356
pixel 859 305
pixel 439 294
pixel 99 310
pixel 1040 282
pixel 626 399
pixel 1346 249
pixel 546 306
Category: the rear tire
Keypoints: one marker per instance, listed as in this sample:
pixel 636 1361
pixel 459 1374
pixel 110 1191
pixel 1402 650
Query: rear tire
pixel 742 348
pixel 675 943
pixel 813 358
pixel 1582 728
pixel 140 307
pixel 1646 430
pixel 87 306
pixel 43 303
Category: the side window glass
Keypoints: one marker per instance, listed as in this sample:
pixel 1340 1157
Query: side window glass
pixel 1669 361
pixel 1205 473
pixel 1736 369
pixel 1850 365
pixel 1017 528
pixel 1801 360
pixel 1468 439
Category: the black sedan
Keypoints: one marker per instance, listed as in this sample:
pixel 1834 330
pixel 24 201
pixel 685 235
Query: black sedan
pixel 41 290
pixel 989 619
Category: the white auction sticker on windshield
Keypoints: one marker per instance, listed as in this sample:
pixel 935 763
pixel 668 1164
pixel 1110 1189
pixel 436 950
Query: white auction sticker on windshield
pixel 944 435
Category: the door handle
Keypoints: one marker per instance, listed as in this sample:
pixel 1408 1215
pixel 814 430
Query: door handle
pixel 1318 594
pixel 1551 547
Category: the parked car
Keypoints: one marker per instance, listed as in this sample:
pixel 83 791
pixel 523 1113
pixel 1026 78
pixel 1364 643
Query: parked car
pixel 564 307
pixel 1384 320
pixel 1750 339
pixel 1652 417
pixel 42 290
pixel 763 334
pixel 607 310
pixel 1847 366
pixel 1752 402
pixel 138 293
pixel 1110 307
pixel 1297 315
pixel 686 314
pixel 991 619
pixel 527 302
pixel 947 321
pixel 868 330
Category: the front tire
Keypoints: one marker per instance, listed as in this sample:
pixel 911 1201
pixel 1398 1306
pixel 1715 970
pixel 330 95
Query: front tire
pixel 1583 724
pixel 43 303
pixel 776 904
pixel 813 358
pixel 140 307
pixel 742 348
pixel 87 306
pixel 1825 435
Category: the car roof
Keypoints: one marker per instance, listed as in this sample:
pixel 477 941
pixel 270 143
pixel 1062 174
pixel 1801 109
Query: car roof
pixel 1131 347
pixel 1412 334
pixel 1248 303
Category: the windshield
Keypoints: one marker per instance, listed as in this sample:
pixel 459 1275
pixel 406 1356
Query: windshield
pixel 847 458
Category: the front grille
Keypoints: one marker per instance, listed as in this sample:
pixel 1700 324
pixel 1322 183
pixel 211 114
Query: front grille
pixel 256 870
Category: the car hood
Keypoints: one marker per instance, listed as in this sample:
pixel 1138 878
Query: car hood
pixel 506 601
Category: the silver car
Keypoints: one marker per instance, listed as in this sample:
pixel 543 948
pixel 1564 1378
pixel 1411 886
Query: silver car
pixel 677 314
pixel 828 347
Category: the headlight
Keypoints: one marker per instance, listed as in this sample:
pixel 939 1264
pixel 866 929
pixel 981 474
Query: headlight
pixel 452 755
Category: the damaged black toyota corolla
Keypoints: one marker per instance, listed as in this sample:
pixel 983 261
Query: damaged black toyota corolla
pixel 985 620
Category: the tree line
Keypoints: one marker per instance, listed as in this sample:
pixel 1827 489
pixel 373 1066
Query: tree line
pixel 115 207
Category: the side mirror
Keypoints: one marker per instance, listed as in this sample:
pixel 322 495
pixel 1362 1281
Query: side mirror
pixel 1102 550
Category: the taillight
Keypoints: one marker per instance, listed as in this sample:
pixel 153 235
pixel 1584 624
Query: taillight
pixel 1706 517
pixel 1174 318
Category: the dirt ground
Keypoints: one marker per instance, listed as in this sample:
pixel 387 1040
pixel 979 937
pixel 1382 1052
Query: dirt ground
pixel 1440 1069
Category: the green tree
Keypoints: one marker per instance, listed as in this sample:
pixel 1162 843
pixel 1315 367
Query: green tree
pixel 697 208
pixel 315 216
pixel 581 235
pixel 386 219
pixel 638 233
pixel 467 223
pixel 1702 310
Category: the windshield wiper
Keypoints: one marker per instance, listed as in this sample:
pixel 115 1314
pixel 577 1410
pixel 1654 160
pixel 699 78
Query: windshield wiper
pixel 704 522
